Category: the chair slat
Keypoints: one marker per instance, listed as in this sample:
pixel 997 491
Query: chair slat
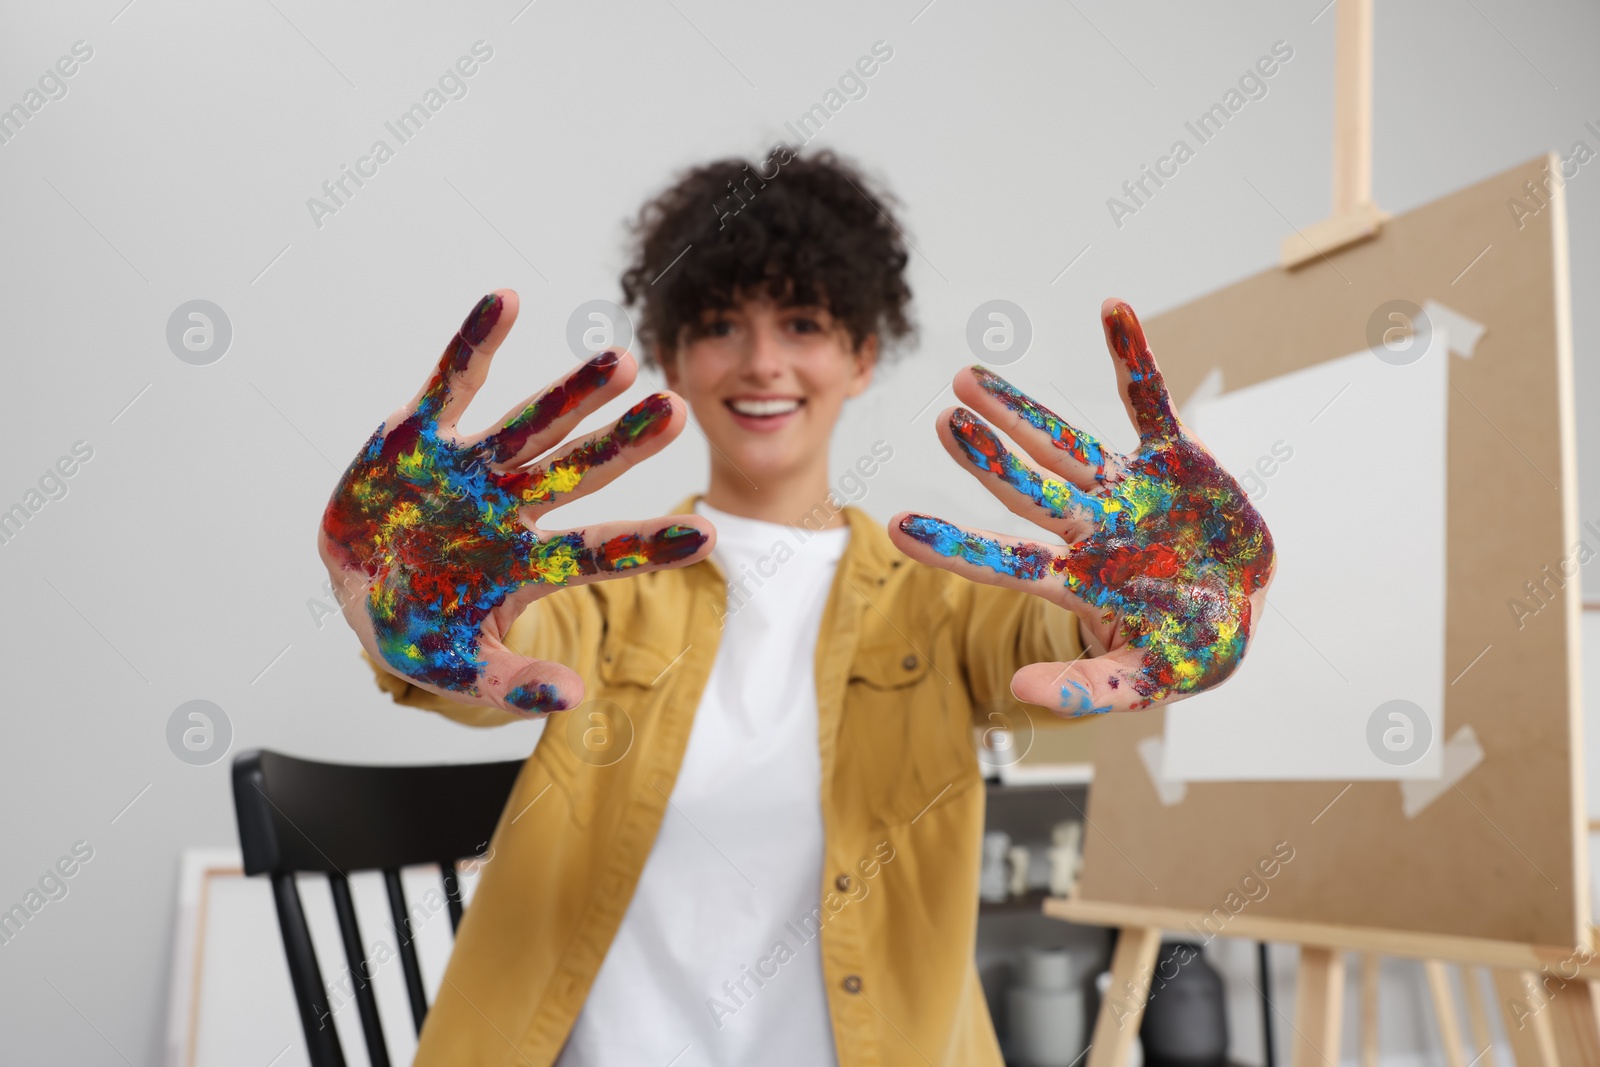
pixel 452 894
pixel 316 1018
pixel 408 948
pixel 356 958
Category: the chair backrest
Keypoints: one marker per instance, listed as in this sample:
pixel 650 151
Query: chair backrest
pixel 297 815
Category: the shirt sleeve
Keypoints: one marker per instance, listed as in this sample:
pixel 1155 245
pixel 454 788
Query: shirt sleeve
pixel 564 627
pixel 1005 630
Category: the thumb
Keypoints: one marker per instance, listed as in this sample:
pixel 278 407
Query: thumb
pixel 527 687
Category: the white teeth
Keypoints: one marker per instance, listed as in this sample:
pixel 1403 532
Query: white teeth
pixel 764 407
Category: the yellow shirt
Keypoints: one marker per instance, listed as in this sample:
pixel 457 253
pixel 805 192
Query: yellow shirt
pixel 908 659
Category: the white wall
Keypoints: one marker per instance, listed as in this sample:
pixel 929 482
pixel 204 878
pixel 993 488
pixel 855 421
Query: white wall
pixel 180 564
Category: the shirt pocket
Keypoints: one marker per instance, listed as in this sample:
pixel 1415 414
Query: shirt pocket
pixel 906 729
pixel 584 748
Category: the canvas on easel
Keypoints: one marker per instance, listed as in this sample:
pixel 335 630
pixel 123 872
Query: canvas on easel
pixel 1492 868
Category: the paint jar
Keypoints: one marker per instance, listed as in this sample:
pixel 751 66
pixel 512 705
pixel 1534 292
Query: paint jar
pixel 1046 1009
pixel 1186 1018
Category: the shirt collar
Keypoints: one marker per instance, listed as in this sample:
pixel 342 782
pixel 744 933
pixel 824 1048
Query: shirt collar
pixel 870 553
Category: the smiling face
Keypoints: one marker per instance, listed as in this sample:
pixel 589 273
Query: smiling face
pixel 766 384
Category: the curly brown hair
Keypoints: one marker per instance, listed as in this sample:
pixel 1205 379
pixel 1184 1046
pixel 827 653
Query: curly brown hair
pixel 805 231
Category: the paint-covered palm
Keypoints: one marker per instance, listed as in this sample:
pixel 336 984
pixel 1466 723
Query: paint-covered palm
pixel 433 536
pixel 1166 562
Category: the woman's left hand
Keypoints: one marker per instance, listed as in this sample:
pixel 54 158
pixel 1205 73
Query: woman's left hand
pixel 1166 563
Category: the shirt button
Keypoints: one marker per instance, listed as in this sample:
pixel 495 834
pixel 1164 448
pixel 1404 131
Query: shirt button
pixel 909 663
pixel 852 983
pixel 843 883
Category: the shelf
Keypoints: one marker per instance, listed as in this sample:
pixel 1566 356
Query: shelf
pixel 1031 901
pixel 1027 775
pixel 1000 789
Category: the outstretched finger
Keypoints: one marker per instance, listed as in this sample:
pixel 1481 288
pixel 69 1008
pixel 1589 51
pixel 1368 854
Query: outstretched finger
pixel 1053 442
pixel 600 458
pixel 1017 484
pixel 1085 686
pixel 539 424
pixel 615 549
pixel 1144 391
pixel 462 368
pixel 979 555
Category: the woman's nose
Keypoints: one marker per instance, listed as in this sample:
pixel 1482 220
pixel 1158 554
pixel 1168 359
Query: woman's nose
pixel 764 357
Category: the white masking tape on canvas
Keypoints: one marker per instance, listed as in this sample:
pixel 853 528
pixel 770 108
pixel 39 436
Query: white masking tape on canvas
pixel 1463 332
pixel 1461 754
pixel 1151 752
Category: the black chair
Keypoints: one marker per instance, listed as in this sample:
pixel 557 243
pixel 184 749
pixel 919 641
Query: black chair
pixel 296 815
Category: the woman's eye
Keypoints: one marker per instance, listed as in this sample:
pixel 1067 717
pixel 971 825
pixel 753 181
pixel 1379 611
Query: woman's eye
pixel 720 328
pixel 805 325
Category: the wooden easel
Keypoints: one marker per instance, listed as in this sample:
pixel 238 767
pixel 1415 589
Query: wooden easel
pixel 1355 217
pixel 1550 1021
pixel 1356 900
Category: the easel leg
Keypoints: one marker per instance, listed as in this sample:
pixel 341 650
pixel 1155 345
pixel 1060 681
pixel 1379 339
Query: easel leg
pixel 1318 1006
pixel 1575 1023
pixel 1527 1027
pixel 1123 1008
pixel 1478 1019
pixel 1444 1011
pixel 1369 1009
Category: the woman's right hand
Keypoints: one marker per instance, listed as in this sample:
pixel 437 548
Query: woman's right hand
pixel 434 540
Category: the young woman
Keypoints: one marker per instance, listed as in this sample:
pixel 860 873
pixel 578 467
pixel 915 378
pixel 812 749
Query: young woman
pixel 758 839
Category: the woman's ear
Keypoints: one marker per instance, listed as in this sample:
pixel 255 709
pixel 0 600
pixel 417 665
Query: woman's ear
pixel 866 361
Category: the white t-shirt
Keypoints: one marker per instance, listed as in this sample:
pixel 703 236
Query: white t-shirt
pixel 695 977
